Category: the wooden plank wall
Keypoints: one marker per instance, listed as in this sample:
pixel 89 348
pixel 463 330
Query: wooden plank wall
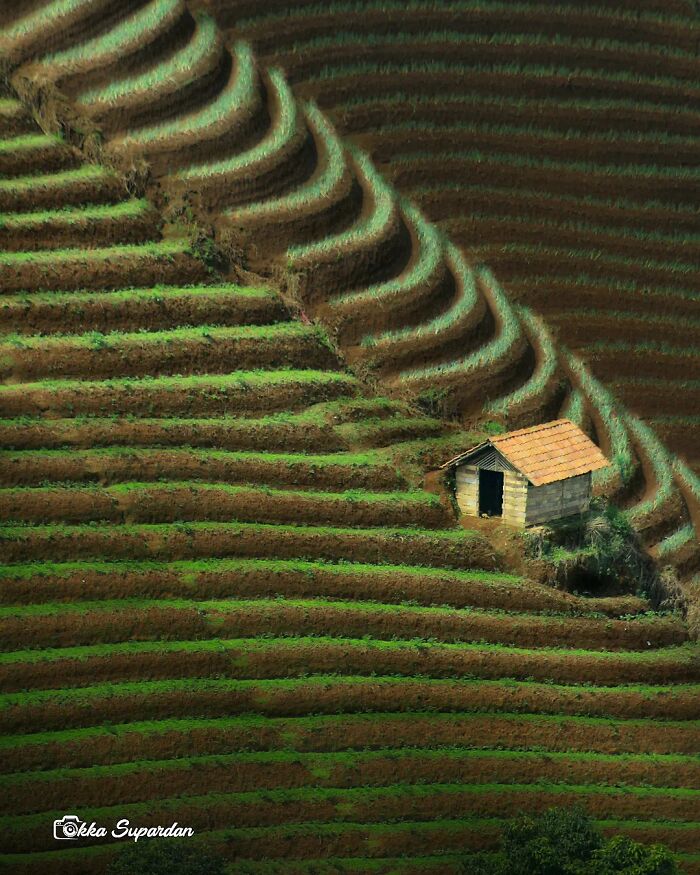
pixel 514 498
pixel 559 499
pixel 467 481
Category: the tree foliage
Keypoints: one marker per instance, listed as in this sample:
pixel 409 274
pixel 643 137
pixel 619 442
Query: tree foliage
pixel 567 842
pixel 166 857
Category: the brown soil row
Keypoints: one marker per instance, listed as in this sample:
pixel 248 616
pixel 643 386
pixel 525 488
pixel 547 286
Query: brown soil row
pixel 352 319
pixel 602 60
pixel 168 98
pixel 296 658
pixel 218 434
pixel 577 23
pixel 664 398
pixel 445 109
pixel 107 190
pixel 134 465
pixel 306 222
pixel 369 807
pixel 76 25
pixel 334 696
pixel 237 129
pixel 681 438
pixel 470 331
pixel 508 229
pixel 325 581
pixel 277 171
pixel 51 158
pixel 558 86
pixel 197 502
pixel 85 233
pixel 16 121
pixel 656 364
pixel 119 271
pixel 82 75
pixel 359 262
pixel 222 540
pixel 353 732
pixel 443 205
pixel 541 293
pixel 214 353
pixel 560 264
pixel 105 312
pixel 596 326
pixel 189 399
pixel 561 180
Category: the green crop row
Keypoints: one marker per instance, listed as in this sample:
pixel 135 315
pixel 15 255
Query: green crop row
pixel 240 92
pixel 602 401
pixel 158 249
pixel 661 463
pixel 518 160
pixel 187 687
pixel 29 142
pixel 282 130
pixel 132 208
pixel 305 46
pixel 117 339
pixel 491 352
pixel 320 186
pixel 430 251
pixel 449 7
pixel 462 307
pixel 167 72
pixel 84 173
pixel 131 32
pixel 47 16
pixel 364 69
pixel 545 370
pixel 384 208
pixel 472 99
pixel 189 569
pixel 680 655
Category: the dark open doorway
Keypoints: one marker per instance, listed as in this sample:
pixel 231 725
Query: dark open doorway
pixel 490 492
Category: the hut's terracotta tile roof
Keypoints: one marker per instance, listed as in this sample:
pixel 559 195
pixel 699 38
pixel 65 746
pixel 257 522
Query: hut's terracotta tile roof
pixel 545 453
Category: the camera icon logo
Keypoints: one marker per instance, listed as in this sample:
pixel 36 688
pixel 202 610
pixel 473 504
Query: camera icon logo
pixel 68 827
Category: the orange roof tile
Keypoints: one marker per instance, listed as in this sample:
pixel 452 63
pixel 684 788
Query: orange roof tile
pixel 545 453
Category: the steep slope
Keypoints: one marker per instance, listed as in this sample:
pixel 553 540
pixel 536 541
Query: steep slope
pixel 556 142
pixel 227 558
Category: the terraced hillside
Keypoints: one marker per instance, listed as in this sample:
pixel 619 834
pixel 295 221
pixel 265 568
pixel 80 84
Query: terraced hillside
pixel 268 175
pixel 556 142
pixel 228 598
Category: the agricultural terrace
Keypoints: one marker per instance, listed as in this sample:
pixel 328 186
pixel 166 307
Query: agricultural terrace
pixel 557 142
pixel 229 596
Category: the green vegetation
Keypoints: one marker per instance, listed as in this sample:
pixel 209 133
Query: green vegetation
pixel 128 209
pixel 544 373
pixel 371 228
pixel 163 857
pixel 391 291
pixel 166 74
pixel 488 355
pixel 464 304
pixel 85 173
pixel 124 35
pixel 281 132
pixel 240 92
pixel 320 186
pixel 567 842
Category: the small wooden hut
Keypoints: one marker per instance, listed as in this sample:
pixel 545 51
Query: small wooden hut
pixel 529 476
